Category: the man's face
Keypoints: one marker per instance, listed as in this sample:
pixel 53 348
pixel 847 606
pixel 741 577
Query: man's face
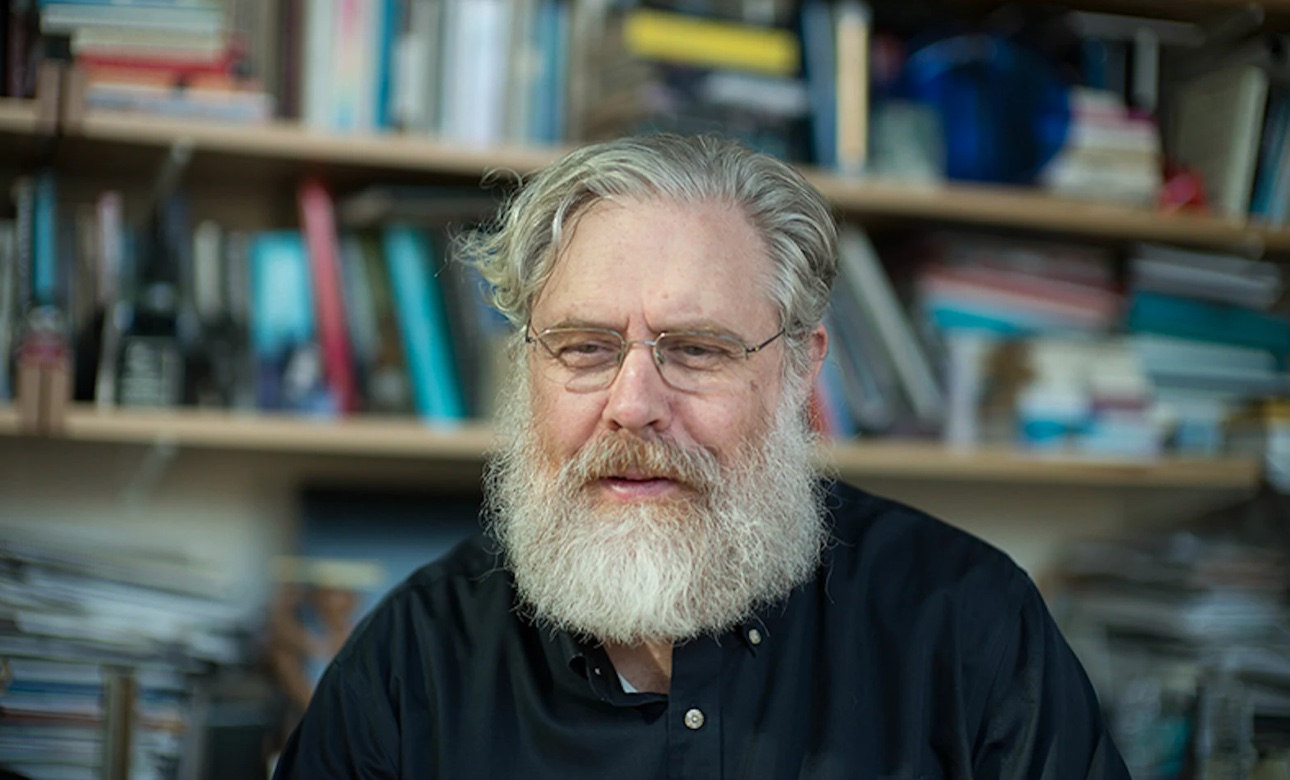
pixel 642 512
pixel 642 268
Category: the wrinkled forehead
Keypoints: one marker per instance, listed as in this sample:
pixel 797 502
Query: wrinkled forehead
pixel 659 257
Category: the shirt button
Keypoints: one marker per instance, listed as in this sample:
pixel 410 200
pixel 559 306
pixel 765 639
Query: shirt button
pixel 754 636
pixel 694 720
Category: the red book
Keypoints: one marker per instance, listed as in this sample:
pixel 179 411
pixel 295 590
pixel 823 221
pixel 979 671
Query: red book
pixel 223 63
pixel 318 219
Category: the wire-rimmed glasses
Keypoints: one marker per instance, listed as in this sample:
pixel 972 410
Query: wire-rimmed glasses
pixel 588 359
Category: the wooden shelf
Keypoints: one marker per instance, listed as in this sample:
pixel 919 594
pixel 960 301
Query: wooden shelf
pixel 366 437
pixel 1032 209
pixel 289 141
pixel 915 460
pixel 282 150
pixel 214 429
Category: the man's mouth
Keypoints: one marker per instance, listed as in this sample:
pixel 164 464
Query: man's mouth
pixel 635 486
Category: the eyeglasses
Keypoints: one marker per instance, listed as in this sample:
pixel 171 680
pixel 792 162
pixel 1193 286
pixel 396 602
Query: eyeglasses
pixel 587 359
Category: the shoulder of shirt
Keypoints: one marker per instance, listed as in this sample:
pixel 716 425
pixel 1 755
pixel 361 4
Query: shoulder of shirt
pixel 469 583
pixel 878 541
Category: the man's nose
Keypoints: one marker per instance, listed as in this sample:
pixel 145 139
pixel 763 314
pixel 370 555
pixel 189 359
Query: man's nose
pixel 639 397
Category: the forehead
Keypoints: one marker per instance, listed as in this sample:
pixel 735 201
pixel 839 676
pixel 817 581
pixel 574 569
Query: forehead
pixel 661 264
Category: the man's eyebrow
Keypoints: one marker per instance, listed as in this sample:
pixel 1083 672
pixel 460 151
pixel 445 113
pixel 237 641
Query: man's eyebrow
pixel 576 322
pixel 703 325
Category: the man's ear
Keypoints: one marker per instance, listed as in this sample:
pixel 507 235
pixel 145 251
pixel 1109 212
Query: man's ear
pixel 819 349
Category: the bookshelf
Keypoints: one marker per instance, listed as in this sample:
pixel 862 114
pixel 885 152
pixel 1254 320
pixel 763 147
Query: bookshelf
pixel 287 149
pixel 282 149
pixel 468 444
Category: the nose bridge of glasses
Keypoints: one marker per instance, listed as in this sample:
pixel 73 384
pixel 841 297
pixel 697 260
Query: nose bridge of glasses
pixel 656 357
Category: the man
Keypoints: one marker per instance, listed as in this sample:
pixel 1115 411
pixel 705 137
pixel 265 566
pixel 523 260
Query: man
pixel 668 589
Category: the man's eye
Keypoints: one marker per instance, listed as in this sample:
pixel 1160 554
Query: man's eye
pixel 587 353
pixel 698 353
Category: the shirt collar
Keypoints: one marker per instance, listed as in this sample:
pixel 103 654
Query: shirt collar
pixel 752 634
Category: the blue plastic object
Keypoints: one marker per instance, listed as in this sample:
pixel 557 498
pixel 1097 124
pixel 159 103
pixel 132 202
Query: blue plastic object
pixel 1004 108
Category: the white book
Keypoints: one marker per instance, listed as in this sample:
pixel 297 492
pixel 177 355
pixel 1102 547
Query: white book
pixel 476 80
pixel 864 272
pixel 851 23
pixel 316 69
pixel 417 66
pixel 1217 120
pixel 524 67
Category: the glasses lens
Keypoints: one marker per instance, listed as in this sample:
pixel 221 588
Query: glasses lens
pixel 699 361
pixel 580 359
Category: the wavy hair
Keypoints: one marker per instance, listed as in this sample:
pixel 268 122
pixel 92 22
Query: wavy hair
pixel 516 257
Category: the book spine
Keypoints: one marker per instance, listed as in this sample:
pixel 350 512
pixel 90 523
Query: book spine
pixel 317 217
pixel 851 28
pixel 44 271
pixel 821 80
pixel 422 322
pixel 690 40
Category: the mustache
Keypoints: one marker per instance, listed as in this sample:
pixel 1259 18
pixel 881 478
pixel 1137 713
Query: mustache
pixel 622 452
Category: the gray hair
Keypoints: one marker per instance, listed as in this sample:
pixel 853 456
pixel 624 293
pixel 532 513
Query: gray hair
pixel 794 221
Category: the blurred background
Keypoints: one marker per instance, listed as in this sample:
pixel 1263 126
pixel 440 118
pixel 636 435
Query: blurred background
pixel 244 390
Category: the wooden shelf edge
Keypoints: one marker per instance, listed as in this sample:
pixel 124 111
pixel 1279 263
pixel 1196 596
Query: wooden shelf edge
pixel 470 443
pixel 288 140
pixel 1003 206
pixel 912 460
pixel 215 429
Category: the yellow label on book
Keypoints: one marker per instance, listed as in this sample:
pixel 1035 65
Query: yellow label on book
pixel 704 42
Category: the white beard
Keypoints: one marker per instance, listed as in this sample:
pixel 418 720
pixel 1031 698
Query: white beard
pixel 749 531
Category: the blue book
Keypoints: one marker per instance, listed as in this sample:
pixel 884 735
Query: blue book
pixel 547 103
pixel 423 323
pixel 44 240
pixel 1276 123
pixel 821 80
pixel 388 24
pixel 288 362
pixel 1188 318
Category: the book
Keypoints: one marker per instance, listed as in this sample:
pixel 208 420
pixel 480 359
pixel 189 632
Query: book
pixel 475 86
pixel 289 373
pixel 45 276
pixel 318 219
pixel 704 42
pixel 851 22
pixel 1189 318
pixel 1211 276
pixel 66 17
pixel 820 60
pixel 8 303
pixel 427 342
pixel 869 283
pixel 1217 118
pixel 389 389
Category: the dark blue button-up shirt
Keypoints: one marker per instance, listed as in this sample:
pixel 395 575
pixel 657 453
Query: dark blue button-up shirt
pixel 917 651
